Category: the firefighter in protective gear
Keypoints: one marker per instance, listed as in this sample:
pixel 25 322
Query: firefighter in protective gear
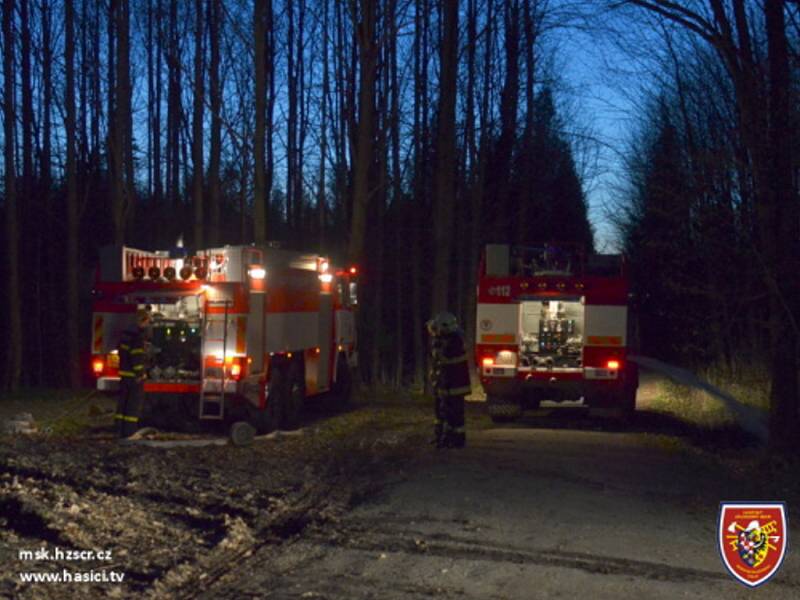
pixel 132 373
pixel 449 379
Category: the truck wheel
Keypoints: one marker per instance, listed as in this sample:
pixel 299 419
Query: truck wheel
pixel 342 388
pixel 503 410
pixel 295 397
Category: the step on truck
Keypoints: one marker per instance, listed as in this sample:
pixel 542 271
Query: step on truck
pixel 236 333
pixel 553 324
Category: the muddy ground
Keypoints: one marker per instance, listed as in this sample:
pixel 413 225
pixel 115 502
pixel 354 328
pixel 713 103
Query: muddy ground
pixel 358 505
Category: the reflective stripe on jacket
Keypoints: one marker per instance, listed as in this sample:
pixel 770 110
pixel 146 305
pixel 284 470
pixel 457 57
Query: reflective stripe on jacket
pixel 131 354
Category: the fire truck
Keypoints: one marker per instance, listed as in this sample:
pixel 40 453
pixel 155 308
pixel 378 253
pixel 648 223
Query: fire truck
pixel 237 333
pixel 553 324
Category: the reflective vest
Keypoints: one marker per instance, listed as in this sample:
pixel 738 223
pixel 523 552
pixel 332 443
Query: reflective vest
pixel 131 355
pixel 449 366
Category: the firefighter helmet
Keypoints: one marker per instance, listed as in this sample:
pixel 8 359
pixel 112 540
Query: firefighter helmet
pixel 442 324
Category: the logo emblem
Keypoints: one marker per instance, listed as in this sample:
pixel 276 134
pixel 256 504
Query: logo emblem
pixel 486 325
pixel 752 539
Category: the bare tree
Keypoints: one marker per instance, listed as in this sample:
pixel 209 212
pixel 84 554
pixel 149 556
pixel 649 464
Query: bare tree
pixel 362 159
pixel 14 342
pixel 323 142
pixel 421 144
pixel 174 107
pixel 784 225
pixel 73 225
pixel 259 193
pixel 215 147
pixel 764 130
pixel 445 155
pixel 197 126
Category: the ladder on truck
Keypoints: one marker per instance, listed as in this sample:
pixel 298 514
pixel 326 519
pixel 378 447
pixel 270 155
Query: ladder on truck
pixel 212 401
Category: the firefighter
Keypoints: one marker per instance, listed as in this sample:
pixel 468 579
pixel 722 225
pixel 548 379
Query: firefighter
pixel 449 379
pixel 132 374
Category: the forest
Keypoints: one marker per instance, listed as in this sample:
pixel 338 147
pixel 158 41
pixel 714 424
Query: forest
pixel 402 135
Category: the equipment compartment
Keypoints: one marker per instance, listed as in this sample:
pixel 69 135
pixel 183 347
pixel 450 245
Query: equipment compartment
pixel 551 331
pixel 174 347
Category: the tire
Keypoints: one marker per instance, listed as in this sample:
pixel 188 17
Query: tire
pixel 295 395
pixel 342 389
pixel 503 410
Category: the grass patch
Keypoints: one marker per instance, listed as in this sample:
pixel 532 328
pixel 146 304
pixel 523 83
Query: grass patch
pixel 692 406
pixel 702 410
pixel 750 385
pixel 60 412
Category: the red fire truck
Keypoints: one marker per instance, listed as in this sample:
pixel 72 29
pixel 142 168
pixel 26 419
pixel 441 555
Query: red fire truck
pixel 553 324
pixel 237 333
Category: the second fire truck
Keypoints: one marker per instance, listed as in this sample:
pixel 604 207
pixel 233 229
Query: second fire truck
pixel 238 333
pixel 553 324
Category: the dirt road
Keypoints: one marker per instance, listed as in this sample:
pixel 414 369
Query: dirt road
pixel 360 507
pixel 524 513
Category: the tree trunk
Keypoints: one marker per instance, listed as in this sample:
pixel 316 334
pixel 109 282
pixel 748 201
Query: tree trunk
pixel 116 125
pixel 259 192
pixel 30 207
pixel 72 267
pixel 14 330
pixel 401 274
pixel 302 125
pixel 96 96
pixel 420 184
pixel 471 171
pixel 323 144
pixel 446 156
pixel 269 126
pixel 124 117
pixel 780 233
pixel 291 122
pixel 197 127
pixel 215 148
pixel 27 101
pixel 158 190
pixel 126 90
pixel 528 157
pixel 83 117
pixel 502 158
pixel 173 110
pixel 150 98
pixel 42 251
pixel 362 161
